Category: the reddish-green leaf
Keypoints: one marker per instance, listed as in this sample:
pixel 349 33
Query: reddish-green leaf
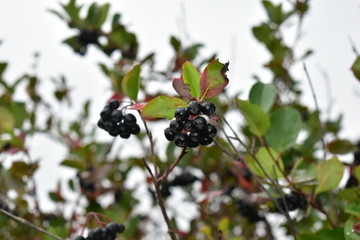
pixel 329 174
pixel 213 80
pixel 181 88
pixel 356 68
pixel 162 107
pixel 131 82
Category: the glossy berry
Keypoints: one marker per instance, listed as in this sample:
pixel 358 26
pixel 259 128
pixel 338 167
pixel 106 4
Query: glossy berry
pixel 181 114
pixel 207 108
pixel 194 137
pixel 183 179
pixel 199 123
pixel 247 210
pixel 101 124
pixel 205 140
pixel 170 135
pixel 211 131
pixel 114 104
pixel 109 126
pixel 293 201
pixel 129 119
pixel 105 114
pixel 116 116
pixel 192 144
pixel 194 108
pixel 181 140
pixel 114 131
pixel 96 233
pixel 189 125
pixel 135 129
pixel 176 126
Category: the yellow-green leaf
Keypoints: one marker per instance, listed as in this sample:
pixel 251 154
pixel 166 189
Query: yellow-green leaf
pixel 329 174
pixel 131 82
pixel 162 107
pixel 191 76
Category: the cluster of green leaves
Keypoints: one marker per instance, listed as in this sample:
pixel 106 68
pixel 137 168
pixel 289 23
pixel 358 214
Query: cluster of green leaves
pixel 264 152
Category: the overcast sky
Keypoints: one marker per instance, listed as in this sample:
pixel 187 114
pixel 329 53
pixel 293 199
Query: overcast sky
pixel 223 26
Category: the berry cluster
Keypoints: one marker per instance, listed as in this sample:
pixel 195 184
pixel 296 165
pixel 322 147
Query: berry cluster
pixel 189 128
pixel 115 123
pixel 248 210
pixel 181 180
pixel 293 201
pixel 108 233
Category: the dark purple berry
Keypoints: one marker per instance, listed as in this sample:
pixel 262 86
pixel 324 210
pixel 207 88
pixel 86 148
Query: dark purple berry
pixel 181 140
pixel 176 126
pixel 123 130
pixel 194 108
pixel 199 123
pixel 192 144
pixel 135 129
pixel 247 210
pixel 194 137
pixel 115 227
pixel 129 119
pixel 96 233
pixel 169 134
pixel 207 108
pixel 114 104
pixel 205 140
pixel 211 131
pixel 109 126
pixel 183 179
pixel 101 124
pixel 116 116
pixel 124 134
pixel 114 131
pixel 181 114
pixel 188 125
pixel 105 114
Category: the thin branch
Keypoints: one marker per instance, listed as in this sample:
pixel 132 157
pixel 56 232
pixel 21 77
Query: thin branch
pixel 161 203
pixel 29 224
pixel 152 151
pixel 169 170
pixel 353 47
pixel 317 109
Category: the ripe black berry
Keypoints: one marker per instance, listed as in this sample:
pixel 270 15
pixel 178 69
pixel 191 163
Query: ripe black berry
pixel 194 108
pixel 109 126
pixel 205 140
pixel 194 137
pixel 293 201
pixel 211 131
pixel 192 144
pixel 135 129
pixel 129 119
pixel 115 227
pixel 189 125
pixel 105 113
pixel 125 134
pixel 176 126
pixel 181 140
pixel 101 124
pixel 170 135
pixel 114 104
pixel 207 108
pixel 199 123
pixel 116 116
pixel 181 114
pixel 247 210
pixel 96 233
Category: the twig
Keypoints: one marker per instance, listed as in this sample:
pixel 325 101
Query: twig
pixel 161 202
pixel 29 224
pixel 353 47
pixel 152 151
pixel 168 171
pixel 317 109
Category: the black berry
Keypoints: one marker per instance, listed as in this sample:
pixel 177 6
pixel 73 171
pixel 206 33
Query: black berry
pixel 115 227
pixel 211 131
pixel 170 135
pixel 181 114
pixel 129 119
pixel 116 116
pixel 192 144
pixel 101 124
pixel 207 108
pixel 194 108
pixel 125 134
pixel 109 126
pixel 199 123
pixel 189 125
pixel 247 210
pixel 135 129
pixel 105 114
pixel 205 140
pixel 176 126
pixel 114 104
pixel 181 140
pixel 194 137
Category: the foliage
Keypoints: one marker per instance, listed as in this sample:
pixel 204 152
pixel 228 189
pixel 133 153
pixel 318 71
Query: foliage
pixel 259 168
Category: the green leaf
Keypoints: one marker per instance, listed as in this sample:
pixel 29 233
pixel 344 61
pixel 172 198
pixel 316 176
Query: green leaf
pixel 73 163
pixel 175 43
pixel 7 120
pixel 19 113
pixel 348 229
pixel 162 107
pixel 96 15
pixel 72 10
pixel 356 68
pixel 263 95
pixel 329 174
pixel 255 117
pixel 267 159
pixel 340 146
pixel 331 234
pixel 284 129
pixel 356 172
pixel 131 82
pixel 213 80
pixel 353 209
pixel 2 68
pixel 191 76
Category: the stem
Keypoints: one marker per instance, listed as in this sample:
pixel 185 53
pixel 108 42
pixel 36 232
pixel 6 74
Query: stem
pixel 152 151
pixel 169 170
pixel 317 109
pixel 25 222
pixel 161 203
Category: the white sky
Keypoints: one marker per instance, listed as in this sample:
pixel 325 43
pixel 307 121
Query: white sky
pixel 223 26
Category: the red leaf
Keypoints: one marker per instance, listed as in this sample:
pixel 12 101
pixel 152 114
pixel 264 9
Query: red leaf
pixel 116 96
pixel 181 88
pixel 214 79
